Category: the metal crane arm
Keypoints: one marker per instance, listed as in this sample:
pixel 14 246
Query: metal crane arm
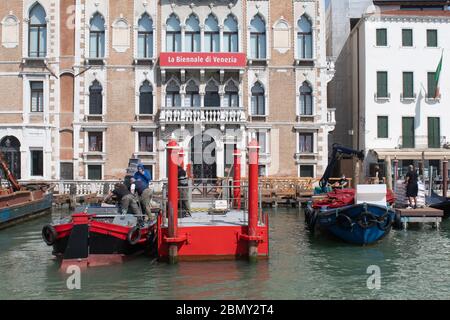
pixel 337 151
pixel 4 166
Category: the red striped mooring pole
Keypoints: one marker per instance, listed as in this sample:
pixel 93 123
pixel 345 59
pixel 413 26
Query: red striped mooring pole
pixel 237 179
pixel 173 158
pixel 253 201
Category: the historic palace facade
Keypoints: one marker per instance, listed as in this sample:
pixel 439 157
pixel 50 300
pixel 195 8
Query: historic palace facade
pixel 86 85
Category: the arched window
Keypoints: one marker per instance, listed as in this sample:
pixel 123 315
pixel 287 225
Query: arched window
pixel 304 38
pixel 145 37
pixel 192 98
pixel 173 95
pixel 173 34
pixel 212 34
pixel 231 98
pixel 146 98
pixel 192 35
pixel 258 38
pixel 230 35
pixel 10 148
pixel 95 98
pixel 258 100
pixel 37 32
pixel 97 37
pixel 305 99
pixel 212 98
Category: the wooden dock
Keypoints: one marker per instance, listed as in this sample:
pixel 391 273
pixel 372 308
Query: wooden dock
pixel 420 215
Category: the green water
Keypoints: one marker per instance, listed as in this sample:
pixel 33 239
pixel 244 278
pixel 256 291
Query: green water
pixel 414 264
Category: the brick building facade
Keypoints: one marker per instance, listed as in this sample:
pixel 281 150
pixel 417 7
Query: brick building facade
pixel 83 87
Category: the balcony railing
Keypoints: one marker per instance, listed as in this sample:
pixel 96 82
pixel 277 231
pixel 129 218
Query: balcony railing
pixel 202 115
pixel 423 142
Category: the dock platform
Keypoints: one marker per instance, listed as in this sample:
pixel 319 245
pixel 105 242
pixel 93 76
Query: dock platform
pixel 420 215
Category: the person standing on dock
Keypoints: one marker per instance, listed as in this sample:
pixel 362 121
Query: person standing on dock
pixel 412 187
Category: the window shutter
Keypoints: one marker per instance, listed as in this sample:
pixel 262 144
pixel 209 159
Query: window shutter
pixel 431 85
pixel 432 38
pixel 407 39
pixel 433 132
pixel 408 85
pixel 382 84
pixel 381 37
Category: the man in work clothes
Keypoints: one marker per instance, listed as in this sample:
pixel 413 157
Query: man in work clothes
pixel 126 200
pixel 145 198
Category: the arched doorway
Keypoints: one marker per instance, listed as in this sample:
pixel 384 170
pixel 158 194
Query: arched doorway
pixel 203 157
pixel 10 147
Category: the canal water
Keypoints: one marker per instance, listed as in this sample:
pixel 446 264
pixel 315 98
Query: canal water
pixel 413 264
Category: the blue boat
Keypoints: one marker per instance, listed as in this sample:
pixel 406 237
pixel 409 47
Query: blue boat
pixel 359 223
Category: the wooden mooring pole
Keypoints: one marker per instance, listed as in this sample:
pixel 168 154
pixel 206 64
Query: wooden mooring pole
pixel 237 179
pixel 444 177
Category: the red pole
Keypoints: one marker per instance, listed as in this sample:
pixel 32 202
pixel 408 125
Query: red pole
pixel 173 160
pixel 237 179
pixel 444 177
pixel 253 202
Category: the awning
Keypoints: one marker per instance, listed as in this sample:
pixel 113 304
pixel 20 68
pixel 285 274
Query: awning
pixel 412 154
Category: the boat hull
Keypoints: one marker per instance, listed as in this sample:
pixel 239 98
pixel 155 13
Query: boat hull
pixel 23 205
pixel 86 240
pixel 358 224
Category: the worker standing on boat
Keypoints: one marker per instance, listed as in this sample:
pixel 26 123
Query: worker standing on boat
pixel 412 187
pixel 126 200
pixel 145 196
pixel 184 192
pixel 143 175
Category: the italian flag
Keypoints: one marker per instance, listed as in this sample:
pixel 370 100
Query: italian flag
pixel 437 76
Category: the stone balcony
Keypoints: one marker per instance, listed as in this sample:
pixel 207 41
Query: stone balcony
pixel 202 115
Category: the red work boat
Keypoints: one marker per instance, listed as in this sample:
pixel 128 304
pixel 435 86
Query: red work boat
pixel 98 235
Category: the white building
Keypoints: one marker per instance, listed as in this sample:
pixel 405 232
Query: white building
pixel 395 111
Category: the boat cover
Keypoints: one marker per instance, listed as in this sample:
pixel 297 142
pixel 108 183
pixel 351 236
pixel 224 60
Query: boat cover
pixel 344 197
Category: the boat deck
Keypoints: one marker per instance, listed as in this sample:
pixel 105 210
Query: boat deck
pixel 203 218
pixel 420 215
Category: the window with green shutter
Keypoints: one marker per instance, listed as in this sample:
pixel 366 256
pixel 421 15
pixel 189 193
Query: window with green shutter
pixel 381 37
pixel 383 127
pixel 408 85
pixel 432 38
pixel 434 133
pixel 407 37
pixel 431 84
pixel 382 85
pixel 408 138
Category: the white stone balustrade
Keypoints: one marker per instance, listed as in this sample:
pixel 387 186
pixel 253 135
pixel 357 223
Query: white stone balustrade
pixel 202 115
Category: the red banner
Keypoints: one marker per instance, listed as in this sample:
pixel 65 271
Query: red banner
pixel 202 60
